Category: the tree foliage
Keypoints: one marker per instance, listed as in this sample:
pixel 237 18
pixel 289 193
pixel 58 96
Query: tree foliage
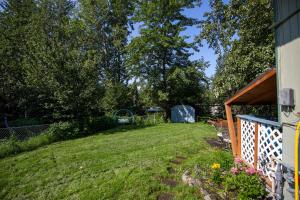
pixel 239 33
pixel 159 56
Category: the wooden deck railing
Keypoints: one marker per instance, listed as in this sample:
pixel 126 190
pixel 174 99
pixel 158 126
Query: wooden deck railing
pixel 259 143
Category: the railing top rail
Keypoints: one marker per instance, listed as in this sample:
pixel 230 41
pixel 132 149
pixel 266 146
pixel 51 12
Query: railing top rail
pixel 259 120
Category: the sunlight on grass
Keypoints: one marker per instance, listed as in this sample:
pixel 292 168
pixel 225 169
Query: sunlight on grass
pixel 118 165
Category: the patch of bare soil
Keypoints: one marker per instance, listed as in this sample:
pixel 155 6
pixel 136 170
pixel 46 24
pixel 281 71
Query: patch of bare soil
pixel 178 160
pixel 216 143
pixel 165 196
pixel 169 182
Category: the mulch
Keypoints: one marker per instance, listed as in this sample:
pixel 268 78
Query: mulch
pixel 165 196
pixel 216 143
pixel 178 160
pixel 169 182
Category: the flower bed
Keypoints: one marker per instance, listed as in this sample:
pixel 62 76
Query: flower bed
pixel 230 180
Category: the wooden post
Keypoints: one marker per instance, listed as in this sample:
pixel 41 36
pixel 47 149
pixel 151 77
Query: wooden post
pixel 239 137
pixel 256 146
pixel 231 129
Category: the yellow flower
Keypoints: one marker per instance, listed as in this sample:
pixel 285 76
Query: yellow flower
pixel 216 166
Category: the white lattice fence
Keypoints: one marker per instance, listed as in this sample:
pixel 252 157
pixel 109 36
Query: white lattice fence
pixel 269 147
pixel 247 141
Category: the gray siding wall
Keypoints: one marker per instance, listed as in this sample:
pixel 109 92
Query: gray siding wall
pixel 288 70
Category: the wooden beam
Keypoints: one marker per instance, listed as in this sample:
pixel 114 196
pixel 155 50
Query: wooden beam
pixel 256 146
pixel 231 129
pixel 260 98
pixel 258 81
pixel 239 138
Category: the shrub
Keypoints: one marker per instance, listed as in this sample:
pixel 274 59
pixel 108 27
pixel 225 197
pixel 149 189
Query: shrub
pixel 100 123
pixel 150 119
pixel 246 186
pixel 64 130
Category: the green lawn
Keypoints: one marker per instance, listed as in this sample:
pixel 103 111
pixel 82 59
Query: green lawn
pixel 119 164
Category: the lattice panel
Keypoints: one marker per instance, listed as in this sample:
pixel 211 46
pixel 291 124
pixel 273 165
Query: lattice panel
pixel 269 148
pixel 247 137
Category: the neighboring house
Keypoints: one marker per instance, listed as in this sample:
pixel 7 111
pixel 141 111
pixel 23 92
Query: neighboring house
pixel 183 113
pixel 261 142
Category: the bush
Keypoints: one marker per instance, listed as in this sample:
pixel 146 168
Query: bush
pixel 150 119
pixel 100 124
pixel 64 130
pixel 227 179
pixel 247 186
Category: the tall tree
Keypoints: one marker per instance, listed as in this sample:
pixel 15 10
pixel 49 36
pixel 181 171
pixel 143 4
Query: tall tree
pixel 107 28
pixel 15 31
pixel 160 52
pixel 70 85
pixel 239 33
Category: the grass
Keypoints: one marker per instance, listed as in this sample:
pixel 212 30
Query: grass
pixel 117 164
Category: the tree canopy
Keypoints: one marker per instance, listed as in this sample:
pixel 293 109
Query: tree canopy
pixel 65 59
pixel 159 56
pixel 239 33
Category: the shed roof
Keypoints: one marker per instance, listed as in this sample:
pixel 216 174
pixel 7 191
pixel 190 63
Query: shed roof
pixel 261 91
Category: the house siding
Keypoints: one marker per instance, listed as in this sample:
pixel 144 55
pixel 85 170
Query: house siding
pixel 288 70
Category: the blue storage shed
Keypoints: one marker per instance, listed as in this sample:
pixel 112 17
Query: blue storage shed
pixel 183 113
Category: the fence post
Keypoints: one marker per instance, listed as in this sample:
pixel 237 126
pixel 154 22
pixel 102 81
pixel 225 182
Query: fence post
pixel 256 146
pixel 239 137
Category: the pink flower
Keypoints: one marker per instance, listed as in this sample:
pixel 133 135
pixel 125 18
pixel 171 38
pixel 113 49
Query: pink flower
pixel 237 160
pixel 234 170
pixel 250 171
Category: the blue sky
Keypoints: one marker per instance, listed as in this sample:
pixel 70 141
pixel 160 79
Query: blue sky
pixel 205 52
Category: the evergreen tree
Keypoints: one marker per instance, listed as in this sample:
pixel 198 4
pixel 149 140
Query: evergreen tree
pixel 107 28
pixel 160 52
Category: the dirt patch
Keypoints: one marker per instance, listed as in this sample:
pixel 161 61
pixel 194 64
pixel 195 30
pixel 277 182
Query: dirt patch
pixel 215 143
pixel 165 196
pixel 169 182
pixel 171 170
pixel 178 160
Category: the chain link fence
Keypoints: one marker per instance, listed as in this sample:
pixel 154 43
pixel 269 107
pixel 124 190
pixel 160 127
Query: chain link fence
pixel 22 132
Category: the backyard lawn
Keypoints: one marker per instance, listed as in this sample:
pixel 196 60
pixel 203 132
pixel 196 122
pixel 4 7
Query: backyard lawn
pixel 142 163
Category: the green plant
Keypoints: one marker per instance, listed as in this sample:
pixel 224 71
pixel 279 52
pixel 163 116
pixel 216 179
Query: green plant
pixel 216 176
pixel 224 158
pixel 64 130
pixel 100 124
pixel 150 119
pixel 246 186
